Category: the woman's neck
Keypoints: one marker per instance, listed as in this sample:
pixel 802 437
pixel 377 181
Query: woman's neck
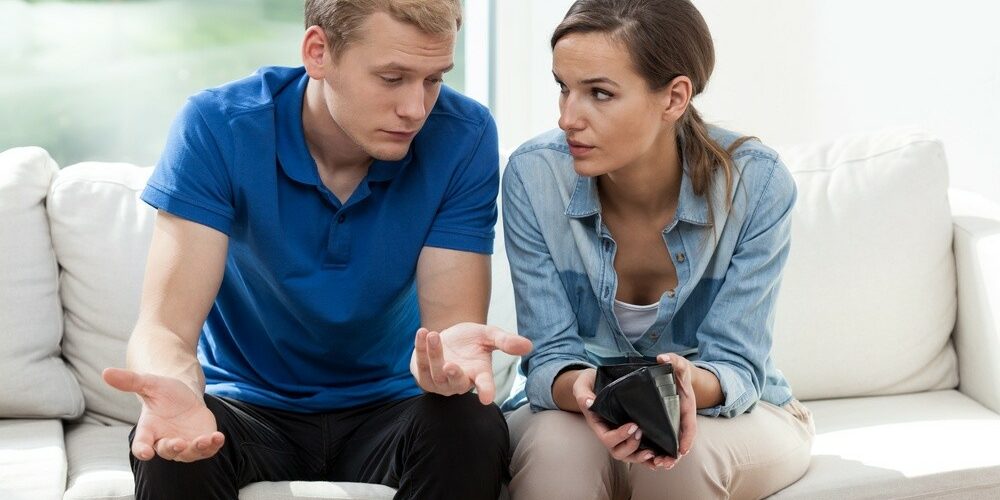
pixel 649 187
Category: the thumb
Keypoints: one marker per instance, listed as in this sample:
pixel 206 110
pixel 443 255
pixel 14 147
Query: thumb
pixel 485 387
pixel 510 343
pixel 124 380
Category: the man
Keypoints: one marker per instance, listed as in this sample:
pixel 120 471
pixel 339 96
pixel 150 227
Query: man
pixel 315 227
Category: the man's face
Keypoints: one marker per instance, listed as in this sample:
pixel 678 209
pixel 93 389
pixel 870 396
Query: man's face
pixel 382 87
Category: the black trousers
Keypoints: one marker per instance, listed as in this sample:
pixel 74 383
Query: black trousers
pixel 427 447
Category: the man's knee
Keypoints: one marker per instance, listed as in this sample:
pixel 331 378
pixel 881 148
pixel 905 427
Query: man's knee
pixel 460 418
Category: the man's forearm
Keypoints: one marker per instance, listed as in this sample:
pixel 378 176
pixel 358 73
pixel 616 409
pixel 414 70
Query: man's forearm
pixel 159 351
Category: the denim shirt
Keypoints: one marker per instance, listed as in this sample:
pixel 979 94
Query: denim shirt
pixel 721 313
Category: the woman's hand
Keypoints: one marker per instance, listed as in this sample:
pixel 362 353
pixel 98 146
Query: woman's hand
pixel 684 372
pixel 623 442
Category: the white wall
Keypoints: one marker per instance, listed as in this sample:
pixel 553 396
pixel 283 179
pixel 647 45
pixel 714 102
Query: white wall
pixel 792 71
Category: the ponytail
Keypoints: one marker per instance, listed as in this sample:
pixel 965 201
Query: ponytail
pixel 705 156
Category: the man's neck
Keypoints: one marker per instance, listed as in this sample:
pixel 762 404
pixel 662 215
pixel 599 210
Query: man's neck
pixel 341 164
pixel 328 144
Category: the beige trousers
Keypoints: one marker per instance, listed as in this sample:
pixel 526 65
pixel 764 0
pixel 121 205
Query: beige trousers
pixel 557 456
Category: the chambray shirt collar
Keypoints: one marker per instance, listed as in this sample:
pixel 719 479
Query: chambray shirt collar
pixel 293 153
pixel 691 208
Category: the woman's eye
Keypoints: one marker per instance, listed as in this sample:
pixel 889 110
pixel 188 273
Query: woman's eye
pixel 601 95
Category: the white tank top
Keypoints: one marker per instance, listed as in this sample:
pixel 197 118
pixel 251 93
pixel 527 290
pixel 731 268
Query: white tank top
pixel 635 320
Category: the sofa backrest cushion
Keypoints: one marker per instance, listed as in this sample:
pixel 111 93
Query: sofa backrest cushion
pixel 101 232
pixel 36 383
pixel 868 299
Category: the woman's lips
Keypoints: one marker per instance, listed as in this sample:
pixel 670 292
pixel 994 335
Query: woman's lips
pixel 579 149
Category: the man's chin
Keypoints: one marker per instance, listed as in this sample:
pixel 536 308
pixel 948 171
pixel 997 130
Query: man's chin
pixel 389 153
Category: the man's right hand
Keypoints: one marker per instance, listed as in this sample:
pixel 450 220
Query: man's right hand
pixel 174 423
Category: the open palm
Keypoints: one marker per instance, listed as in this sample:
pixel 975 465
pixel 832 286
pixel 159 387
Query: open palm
pixel 461 357
pixel 174 422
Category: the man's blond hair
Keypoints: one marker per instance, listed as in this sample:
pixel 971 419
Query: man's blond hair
pixel 341 20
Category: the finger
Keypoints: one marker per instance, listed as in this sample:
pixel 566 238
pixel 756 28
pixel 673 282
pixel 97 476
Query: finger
pixel 205 446
pixel 689 417
pixel 458 381
pixel 485 387
pixel 627 448
pixel 615 437
pixel 665 462
pixel 420 348
pixel 644 457
pixel 435 354
pixel 142 443
pixel 169 448
pixel 124 380
pixel 595 422
pixel 509 343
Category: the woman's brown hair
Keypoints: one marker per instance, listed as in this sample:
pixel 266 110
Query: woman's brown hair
pixel 665 39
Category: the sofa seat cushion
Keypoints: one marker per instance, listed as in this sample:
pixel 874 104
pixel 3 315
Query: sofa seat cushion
pixel 99 470
pixel 933 444
pixel 290 490
pixel 98 463
pixel 32 460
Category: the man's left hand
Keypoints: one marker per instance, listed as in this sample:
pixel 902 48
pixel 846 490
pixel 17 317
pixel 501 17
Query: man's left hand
pixel 461 357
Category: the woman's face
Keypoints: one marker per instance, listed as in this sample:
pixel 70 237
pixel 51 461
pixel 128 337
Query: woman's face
pixel 611 118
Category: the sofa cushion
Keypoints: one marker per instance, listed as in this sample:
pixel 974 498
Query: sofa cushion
pixel 98 463
pixel 32 460
pixel 36 381
pixel 867 303
pixel 101 232
pixel 938 444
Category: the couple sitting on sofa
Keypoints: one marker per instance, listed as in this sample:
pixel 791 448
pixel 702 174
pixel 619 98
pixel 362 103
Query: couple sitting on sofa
pixel 318 278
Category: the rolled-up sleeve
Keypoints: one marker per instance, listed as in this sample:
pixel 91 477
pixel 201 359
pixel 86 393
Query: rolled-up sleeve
pixel 734 340
pixel 544 313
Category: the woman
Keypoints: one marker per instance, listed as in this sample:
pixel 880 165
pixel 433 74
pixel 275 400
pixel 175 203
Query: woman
pixel 637 230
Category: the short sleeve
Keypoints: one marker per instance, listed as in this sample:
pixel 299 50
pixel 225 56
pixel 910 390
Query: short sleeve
pixel 468 213
pixel 191 179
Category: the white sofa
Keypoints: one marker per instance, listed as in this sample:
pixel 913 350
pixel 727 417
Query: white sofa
pixel 888 325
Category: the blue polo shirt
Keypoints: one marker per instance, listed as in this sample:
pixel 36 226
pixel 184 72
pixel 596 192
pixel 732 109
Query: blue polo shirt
pixel 318 309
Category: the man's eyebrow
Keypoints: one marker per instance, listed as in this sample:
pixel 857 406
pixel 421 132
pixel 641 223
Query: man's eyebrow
pixel 394 66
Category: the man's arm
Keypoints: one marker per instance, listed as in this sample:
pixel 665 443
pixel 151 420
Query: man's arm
pixel 183 274
pixel 452 287
pixel 453 351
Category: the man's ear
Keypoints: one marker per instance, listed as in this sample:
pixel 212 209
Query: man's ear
pixel 675 98
pixel 315 54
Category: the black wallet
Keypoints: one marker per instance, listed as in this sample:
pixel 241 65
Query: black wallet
pixel 644 393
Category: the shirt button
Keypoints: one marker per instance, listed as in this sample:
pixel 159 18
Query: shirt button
pixel 671 293
pixel 342 218
pixel 681 257
pixel 607 246
pixel 607 291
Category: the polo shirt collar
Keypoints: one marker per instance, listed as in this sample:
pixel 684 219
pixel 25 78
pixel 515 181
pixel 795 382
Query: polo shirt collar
pixel 292 150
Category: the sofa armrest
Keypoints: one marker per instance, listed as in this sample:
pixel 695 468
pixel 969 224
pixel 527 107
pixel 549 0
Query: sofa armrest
pixel 977 329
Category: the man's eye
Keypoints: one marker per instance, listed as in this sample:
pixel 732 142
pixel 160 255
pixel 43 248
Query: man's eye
pixel 563 89
pixel 391 79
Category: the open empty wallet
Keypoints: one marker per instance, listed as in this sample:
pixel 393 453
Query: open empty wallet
pixel 644 393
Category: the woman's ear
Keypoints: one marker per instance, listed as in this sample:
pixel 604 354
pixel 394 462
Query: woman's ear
pixel 315 53
pixel 676 97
